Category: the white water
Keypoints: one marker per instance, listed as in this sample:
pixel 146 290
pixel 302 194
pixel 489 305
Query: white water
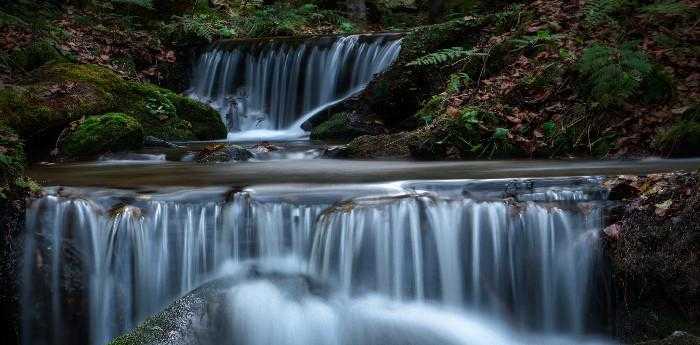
pixel 265 90
pixel 404 258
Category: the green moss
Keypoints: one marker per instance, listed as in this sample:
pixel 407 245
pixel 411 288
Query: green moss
pixel 36 54
pixel 206 122
pixel 336 128
pixel 12 162
pixel 109 132
pixel 60 93
pixel 101 77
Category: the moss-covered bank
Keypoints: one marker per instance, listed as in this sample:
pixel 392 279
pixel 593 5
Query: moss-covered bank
pixel 42 106
pixel 542 79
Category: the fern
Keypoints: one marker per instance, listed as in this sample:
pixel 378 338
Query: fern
pixel 599 11
pixel 614 74
pixel 669 8
pixel 444 55
pixel 457 81
pixel 543 37
pixel 142 3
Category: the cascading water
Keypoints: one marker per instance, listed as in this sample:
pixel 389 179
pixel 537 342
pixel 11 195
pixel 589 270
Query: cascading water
pixel 268 89
pixel 424 259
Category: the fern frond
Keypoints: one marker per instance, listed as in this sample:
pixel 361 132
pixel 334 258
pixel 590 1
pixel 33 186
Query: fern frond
pixel 444 55
pixel 614 74
pixel 598 11
pixel 143 3
pixel 668 8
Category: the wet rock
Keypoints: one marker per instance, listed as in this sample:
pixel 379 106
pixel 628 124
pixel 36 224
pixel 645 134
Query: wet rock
pixel 335 152
pixel 653 251
pixel 677 338
pixel 151 141
pixel 264 147
pixel 203 316
pixel 223 153
pixel 343 126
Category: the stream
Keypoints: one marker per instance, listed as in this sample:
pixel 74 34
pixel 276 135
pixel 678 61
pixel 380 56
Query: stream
pixel 318 251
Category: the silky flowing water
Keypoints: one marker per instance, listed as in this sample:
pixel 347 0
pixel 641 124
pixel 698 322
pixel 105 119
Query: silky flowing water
pixel 529 257
pixel 341 252
pixel 267 90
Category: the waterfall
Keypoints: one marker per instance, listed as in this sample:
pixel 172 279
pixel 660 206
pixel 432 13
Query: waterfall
pixel 267 89
pixel 527 256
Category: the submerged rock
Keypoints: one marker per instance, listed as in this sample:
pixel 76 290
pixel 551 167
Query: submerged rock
pixel 205 315
pixel 223 153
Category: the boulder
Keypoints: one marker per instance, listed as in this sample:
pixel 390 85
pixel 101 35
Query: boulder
pixel 111 132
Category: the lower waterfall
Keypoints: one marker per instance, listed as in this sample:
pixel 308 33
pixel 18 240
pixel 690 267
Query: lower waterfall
pixel 393 254
pixel 266 89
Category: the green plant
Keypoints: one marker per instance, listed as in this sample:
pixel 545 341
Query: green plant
pixel 444 55
pixel 668 8
pixel 597 12
pixel 542 38
pixel 614 74
pixel 457 81
pixel 141 3
pixel 509 18
pixel 432 108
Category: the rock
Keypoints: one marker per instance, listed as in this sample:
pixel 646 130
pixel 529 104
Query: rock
pixel 654 261
pixel 220 153
pixel 111 132
pixel 55 95
pixel 151 141
pixel 677 338
pixel 341 126
pixel 203 316
pixel 264 147
pixel 622 191
pixel 335 152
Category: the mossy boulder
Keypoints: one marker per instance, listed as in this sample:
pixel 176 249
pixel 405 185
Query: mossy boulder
pixel 58 94
pixel 105 133
pixel 340 126
pixel 206 122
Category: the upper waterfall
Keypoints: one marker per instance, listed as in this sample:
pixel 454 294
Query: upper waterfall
pixel 267 89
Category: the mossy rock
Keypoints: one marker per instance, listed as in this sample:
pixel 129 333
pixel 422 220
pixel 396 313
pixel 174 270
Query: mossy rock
pixel 106 133
pixel 206 122
pixel 58 94
pixel 338 127
pixel 38 53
